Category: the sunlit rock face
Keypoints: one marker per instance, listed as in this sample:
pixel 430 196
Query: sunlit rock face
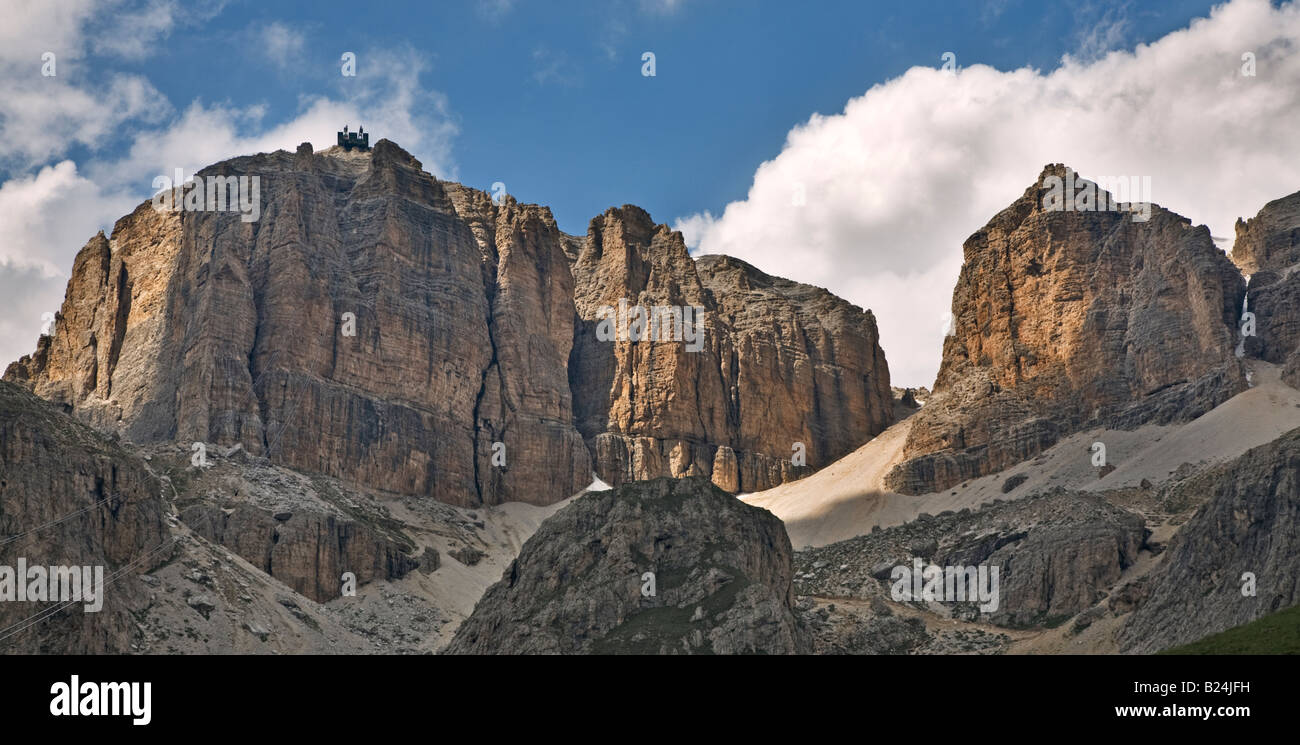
pixel 1071 318
pixel 378 325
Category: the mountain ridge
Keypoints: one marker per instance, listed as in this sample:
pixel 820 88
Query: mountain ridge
pixel 473 326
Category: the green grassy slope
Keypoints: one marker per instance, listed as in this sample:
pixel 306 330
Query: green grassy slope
pixel 1277 633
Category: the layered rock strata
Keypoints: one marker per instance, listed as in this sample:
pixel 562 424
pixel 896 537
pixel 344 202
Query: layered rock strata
pixel 72 498
pixel 1066 319
pixel 382 326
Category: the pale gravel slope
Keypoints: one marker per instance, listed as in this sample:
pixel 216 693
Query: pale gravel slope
pixel 848 497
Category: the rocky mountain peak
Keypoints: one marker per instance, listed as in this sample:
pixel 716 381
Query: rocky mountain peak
pixel 373 323
pixel 1073 311
pixel 1270 241
pixel 1268 249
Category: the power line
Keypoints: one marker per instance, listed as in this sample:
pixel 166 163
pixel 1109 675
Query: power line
pixel 13 538
pixel 39 616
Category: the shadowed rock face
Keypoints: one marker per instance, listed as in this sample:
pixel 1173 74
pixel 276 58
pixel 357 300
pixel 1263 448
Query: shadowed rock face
pixel 1070 319
pixel 1268 249
pixel 309 552
pixel 801 361
pixel 525 402
pixel 74 498
pixel 1251 524
pixel 722 572
pixel 779 363
pixel 381 326
pixel 1057 554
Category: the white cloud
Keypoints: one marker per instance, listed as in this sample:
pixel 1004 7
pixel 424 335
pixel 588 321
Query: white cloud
pixel 44 117
pixel 551 67
pixel 414 117
pixel 30 29
pixel 45 219
pixel 133 33
pixel 1101 29
pixel 663 7
pixel 48 212
pixel 280 43
pixel 29 295
pixel 495 10
pixel 48 216
pixel 898 180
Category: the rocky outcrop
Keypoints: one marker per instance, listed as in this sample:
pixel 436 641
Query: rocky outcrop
pixel 381 326
pixel 801 365
pixel 344 332
pixel 1057 555
pixel 782 379
pixel 1067 319
pixel 524 414
pixel 1270 241
pixel 1250 525
pixel 1268 249
pixel 308 551
pixel 70 497
pixel 665 566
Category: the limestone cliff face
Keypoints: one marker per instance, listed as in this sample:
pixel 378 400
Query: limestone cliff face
pixel 525 403
pixel 113 315
pixel 1065 319
pixel 1270 241
pixel 1268 249
pixel 381 326
pixel 801 365
pixel 348 331
pixel 70 497
pixel 309 552
pixel 783 379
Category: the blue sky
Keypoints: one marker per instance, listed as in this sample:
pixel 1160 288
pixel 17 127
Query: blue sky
pixel 844 99
pixel 548 97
